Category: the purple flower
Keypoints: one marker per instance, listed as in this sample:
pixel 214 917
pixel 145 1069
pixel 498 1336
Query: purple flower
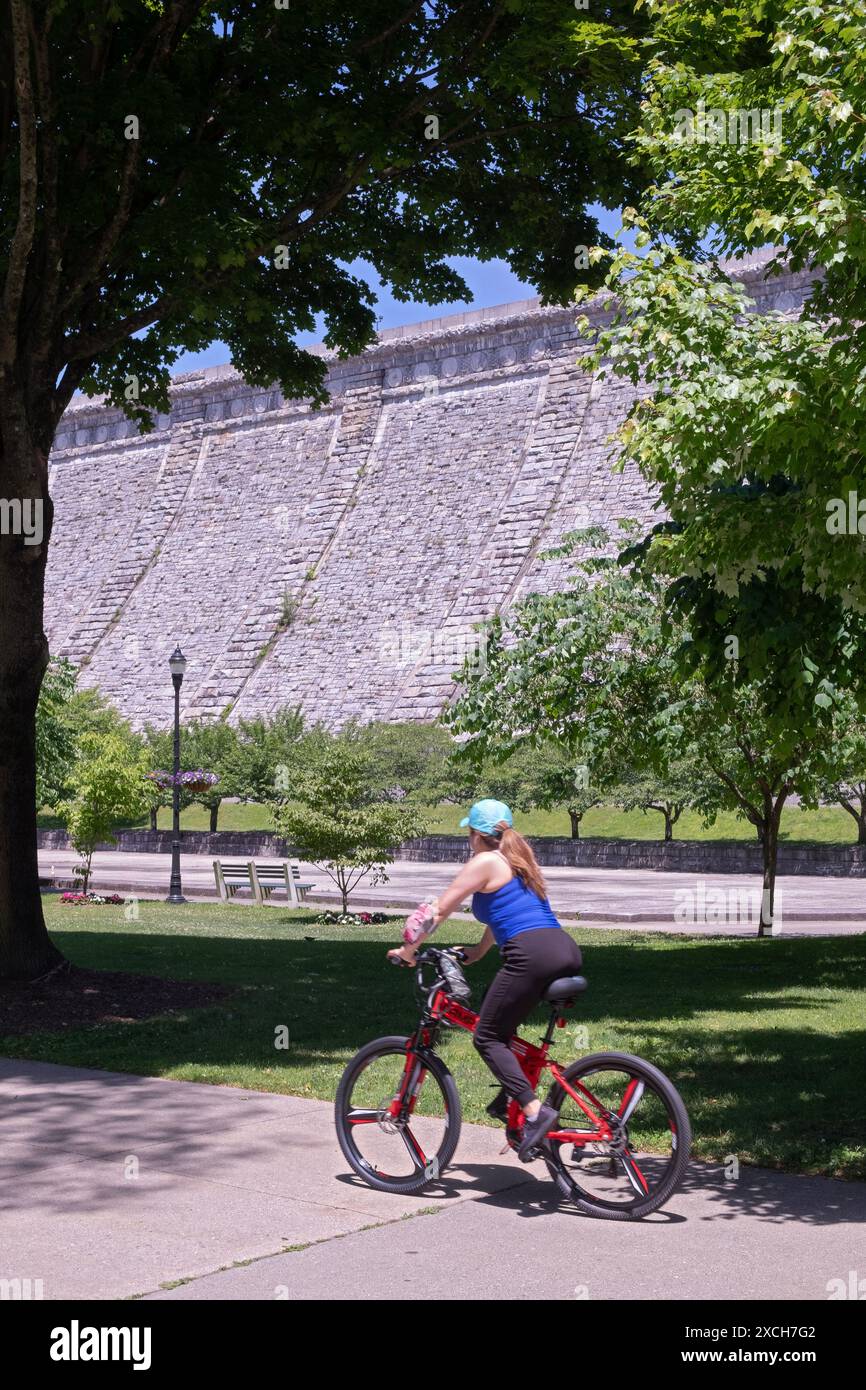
pixel 197 778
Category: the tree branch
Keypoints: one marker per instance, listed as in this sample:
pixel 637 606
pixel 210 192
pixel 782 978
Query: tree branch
pixel 81 346
pixel 386 33
pixel 755 816
pixel 22 240
pixel 112 233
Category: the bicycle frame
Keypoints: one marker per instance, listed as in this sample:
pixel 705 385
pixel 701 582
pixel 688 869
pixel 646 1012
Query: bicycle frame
pixel 534 1061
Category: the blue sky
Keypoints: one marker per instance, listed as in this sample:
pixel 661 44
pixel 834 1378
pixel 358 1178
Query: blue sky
pixel 491 282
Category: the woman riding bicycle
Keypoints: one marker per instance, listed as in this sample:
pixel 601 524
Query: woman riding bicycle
pixel 509 896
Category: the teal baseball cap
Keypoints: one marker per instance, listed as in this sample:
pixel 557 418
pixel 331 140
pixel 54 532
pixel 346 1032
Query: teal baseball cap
pixel 486 815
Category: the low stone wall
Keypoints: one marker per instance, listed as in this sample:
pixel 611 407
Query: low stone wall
pixel 677 856
pixel 221 844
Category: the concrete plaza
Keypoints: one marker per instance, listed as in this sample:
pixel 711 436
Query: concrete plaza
pixel 616 897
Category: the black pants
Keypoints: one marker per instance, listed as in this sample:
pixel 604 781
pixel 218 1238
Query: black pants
pixel 533 959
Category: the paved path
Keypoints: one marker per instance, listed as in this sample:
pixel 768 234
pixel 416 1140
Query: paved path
pixel 114 1186
pixel 617 896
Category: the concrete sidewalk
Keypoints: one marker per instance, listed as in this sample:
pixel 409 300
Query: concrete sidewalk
pixel 118 1186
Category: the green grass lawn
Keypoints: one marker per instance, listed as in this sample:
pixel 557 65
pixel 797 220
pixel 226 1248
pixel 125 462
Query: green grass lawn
pixel 827 825
pixel 765 1039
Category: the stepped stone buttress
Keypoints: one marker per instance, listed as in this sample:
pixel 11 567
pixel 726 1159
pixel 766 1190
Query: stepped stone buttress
pixel 338 558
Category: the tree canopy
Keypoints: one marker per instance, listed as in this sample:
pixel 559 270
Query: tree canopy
pixel 175 173
pixel 750 426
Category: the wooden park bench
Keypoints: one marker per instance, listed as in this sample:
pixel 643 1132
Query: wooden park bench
pixel 230 878
pixel 262 879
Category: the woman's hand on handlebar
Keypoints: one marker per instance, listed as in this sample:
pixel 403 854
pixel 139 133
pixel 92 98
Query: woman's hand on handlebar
pixel 402 955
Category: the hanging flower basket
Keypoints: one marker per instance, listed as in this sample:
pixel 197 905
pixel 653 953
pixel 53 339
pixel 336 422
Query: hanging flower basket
pixel 197 782
pixel 161 779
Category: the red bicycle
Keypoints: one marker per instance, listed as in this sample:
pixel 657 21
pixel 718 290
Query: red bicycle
pixel 621 1145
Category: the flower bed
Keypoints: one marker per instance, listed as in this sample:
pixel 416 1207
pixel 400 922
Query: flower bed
pixel 92 899
pixel 351 919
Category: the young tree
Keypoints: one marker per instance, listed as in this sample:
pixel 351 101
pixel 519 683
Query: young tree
pixel 159 758
pixel 205 744
pixel 753 770
pixel 846 784
pixel 336 821
pixel 547 778
pixel 106 787
pixel 407 759
pixel 850 793
pixel 598 667
pixel 64 716
pixel 173 173
pixel 668 795
pixel 89 712
pixel 260 763
pixel 209 744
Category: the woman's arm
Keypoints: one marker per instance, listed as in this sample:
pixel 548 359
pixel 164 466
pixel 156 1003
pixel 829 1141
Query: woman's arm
pixel 474 953
pixel 472 878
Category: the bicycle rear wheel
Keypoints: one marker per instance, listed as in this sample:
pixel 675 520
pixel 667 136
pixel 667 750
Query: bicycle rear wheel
pixel 641 1166
pixel 397 1133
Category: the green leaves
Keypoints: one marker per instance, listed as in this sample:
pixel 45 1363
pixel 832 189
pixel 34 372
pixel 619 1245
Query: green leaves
pixel 106 786
pixel 607 675
pixel 753 420
pixel 301 127
pixel 55 739
pixel 334 819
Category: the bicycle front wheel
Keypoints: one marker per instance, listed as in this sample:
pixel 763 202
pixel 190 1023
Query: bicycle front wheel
pixel 397 1126
pixel 639 1167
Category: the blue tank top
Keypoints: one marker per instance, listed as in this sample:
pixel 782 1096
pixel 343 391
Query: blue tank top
pixel 512 909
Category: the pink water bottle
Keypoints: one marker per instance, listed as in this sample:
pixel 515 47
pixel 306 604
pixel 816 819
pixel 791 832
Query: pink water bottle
pixel 420 923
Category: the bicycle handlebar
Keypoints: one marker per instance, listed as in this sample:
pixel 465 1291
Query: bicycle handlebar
pixel 430 952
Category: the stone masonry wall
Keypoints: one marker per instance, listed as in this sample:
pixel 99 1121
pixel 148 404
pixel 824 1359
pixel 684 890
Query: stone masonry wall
pixel 675 856
pixel 337 558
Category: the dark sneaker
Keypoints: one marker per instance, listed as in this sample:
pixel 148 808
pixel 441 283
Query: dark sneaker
pixel 535 1130
pixel 498 1107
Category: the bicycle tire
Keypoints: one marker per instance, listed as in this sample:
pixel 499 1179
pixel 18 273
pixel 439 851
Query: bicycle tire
pixel 683 1141
pixel 434 1065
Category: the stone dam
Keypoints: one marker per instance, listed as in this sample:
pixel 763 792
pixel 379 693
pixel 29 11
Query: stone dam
pixel 340 558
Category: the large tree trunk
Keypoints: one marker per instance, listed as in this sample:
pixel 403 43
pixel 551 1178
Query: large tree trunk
pixel 575 817
pixel 214 815
pixel 26 952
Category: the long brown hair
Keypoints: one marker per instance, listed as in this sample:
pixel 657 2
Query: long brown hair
pixel 519 854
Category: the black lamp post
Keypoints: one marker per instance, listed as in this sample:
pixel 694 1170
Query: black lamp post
pixel 177 664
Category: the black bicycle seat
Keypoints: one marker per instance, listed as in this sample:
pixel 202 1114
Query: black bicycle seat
pixel 564 988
